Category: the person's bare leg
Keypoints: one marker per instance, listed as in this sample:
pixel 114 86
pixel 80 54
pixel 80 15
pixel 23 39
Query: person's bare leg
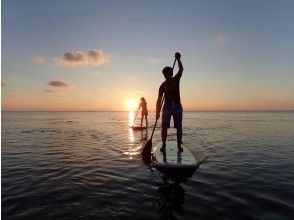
pixel 179 138
pixel 142 120
pixel 163 137
pixel 146 120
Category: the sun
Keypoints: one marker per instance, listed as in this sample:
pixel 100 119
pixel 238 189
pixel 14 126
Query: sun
pixel 132 104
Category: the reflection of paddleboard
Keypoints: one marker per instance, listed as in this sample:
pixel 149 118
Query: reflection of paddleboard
pixel 139 127
pixel 172 161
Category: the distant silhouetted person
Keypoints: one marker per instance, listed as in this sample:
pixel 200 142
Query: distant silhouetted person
pixel 144 112
pixel 170 88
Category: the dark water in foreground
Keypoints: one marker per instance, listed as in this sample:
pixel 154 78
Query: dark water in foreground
pixel 88 165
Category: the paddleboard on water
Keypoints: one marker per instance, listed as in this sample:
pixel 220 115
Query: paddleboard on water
pixel 172 161
pixel 139 127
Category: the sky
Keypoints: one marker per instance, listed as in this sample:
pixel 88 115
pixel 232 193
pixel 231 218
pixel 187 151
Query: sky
pixel 96 55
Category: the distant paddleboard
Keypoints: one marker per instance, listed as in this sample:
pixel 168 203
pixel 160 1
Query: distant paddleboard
pixel 139 127
pixel 172 161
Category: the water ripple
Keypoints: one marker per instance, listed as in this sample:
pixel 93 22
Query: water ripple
pixel 88 165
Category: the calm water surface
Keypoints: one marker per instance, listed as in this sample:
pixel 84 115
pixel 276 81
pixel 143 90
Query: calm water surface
pixel 69 165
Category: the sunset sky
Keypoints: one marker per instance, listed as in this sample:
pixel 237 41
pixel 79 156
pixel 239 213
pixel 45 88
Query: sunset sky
pixel 100 55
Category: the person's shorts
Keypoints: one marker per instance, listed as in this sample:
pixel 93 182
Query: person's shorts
pixel 144 113
pixel 176 112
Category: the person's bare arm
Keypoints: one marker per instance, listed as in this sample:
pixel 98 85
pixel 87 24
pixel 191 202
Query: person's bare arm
pixel 181 68
pixel 158 103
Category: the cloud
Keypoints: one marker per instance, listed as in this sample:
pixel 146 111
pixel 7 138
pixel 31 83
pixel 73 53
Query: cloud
pixel 51 91
pixel 91 57
pixel 58 83
pixel 57 87
pixel 55 91
pixel 220 38
pixel 4 84
pixel 39 59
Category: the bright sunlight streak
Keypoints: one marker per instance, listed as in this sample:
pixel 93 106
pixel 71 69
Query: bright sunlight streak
pixel 132 105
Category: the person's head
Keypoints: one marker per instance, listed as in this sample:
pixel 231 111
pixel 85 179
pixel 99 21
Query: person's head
pixel 142 99
pixel 167 72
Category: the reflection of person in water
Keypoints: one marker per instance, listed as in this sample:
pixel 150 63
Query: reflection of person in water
pixel 164 156
pixel 179 157
pixel 144 135
pixel 172 197
pixel 144 113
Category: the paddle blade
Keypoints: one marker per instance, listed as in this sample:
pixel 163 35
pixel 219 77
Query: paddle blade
pixel 146 152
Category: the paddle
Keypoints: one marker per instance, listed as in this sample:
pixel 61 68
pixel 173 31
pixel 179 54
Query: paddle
pixel 174 64
pixel 146 153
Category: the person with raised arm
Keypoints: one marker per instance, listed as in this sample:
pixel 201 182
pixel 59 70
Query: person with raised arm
pixel 169 92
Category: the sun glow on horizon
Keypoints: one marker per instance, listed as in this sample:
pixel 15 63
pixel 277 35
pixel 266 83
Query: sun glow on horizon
pixel 132 104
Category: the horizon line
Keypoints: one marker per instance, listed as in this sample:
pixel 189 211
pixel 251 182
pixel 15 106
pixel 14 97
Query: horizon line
pixel 239 110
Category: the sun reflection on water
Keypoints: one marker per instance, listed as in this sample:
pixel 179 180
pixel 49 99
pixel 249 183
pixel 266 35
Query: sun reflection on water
pixel 131 118
pixel 131 136
pixel 131 149
pixel 136 140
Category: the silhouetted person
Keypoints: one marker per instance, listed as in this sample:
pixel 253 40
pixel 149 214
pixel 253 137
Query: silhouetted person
pixel 172 106
pixel 144 112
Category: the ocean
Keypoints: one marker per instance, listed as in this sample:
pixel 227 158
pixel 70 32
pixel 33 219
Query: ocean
pixel 87 165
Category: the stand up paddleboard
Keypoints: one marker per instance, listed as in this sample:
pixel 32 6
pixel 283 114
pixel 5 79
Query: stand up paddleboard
pixel 173 162
pixel 139 128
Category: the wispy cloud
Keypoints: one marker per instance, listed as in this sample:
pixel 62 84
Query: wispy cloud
pixel 58 83
pixel 220 38
pixel 91 57
pixel 140 92
pixel 51 90
pixel 39 59
pixel 154 60
pixel 54 91
pixel 136 92
pixel 87 74
pixel 4 84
